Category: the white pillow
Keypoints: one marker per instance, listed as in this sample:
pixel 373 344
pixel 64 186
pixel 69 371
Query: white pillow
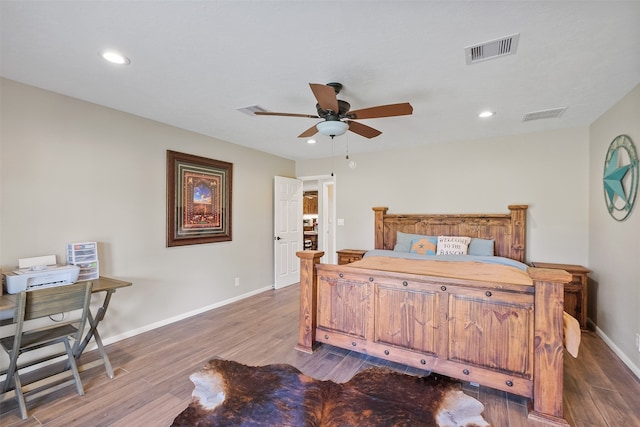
pixel 453 245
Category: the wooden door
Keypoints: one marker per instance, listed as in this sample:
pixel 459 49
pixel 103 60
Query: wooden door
pixel 288 238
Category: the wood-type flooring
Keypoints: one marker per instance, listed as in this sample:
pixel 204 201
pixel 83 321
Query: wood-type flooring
pixel 151 385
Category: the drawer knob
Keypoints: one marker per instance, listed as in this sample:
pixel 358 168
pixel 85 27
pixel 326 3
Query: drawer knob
pixel 386 352
pixel 341 275
pixel 353 343
pixel 405 283
pixel 443 288
pixel 466 372
pixel 326 337
pixel 509 383
pixel 423 362
pixel 371 279
pixel 488 293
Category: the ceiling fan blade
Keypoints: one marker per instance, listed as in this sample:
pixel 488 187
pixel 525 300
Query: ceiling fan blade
pixel 309 132
pixel 268 113
pixel 326 96
pixel 390 110
pixel 362 130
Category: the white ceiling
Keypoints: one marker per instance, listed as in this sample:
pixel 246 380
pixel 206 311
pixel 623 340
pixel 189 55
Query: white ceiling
pixel 193 63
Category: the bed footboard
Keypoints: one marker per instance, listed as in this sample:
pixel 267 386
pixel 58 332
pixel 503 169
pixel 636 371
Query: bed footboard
pixel 339 305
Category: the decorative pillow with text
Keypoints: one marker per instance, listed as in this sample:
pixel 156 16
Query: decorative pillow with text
pixel 453 245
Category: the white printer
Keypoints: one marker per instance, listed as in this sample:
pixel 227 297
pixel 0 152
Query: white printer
pixel 40 272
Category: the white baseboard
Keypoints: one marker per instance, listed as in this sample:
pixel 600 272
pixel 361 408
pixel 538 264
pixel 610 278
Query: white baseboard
pixel 132 333
pixel 635 369
pixel 177 318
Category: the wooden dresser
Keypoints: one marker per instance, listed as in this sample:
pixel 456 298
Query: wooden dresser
pixel 575 292
pixel 347 256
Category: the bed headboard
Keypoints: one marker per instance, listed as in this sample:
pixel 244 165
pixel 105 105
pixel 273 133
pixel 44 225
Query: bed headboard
pixel 508 230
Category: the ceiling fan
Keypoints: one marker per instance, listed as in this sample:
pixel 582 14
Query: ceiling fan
pixel 337 117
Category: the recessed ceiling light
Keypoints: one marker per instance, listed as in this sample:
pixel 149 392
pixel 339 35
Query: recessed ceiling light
pixel 486 114
pixel 114 57
pixel 311 141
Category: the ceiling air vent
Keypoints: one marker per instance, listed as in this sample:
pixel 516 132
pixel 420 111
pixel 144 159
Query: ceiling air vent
pixel 251 110
pixel 491 49
pixel 543 114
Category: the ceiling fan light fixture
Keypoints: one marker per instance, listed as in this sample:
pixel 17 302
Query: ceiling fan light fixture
pixel 332 128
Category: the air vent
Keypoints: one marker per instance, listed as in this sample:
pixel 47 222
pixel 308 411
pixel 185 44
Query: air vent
pixel 544 114
pixel 251 110
pixel 491 49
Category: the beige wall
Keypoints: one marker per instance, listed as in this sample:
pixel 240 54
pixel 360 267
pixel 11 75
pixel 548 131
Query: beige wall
pixel 548 171
pixel 614 247
pixel 74 171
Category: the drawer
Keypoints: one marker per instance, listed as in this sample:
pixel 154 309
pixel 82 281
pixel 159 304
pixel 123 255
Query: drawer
pixel 576 279
pixel 347 256
pixel 573 287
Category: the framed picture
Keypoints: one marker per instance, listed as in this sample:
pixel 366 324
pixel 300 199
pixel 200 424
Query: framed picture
pixel 198 199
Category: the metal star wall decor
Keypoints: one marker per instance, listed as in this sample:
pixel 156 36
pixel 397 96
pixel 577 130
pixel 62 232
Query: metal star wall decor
pixel 620 177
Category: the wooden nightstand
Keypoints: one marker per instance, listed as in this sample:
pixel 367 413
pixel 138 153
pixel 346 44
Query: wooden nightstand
pixel 347 256
pixel 575 292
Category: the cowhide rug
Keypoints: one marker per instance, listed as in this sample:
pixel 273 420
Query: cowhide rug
pixel 231 394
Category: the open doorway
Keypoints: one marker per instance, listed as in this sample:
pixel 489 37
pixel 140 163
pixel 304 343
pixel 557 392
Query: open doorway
pixel 320 223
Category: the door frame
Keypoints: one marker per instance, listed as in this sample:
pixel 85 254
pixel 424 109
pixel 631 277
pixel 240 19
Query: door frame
pixel 326 214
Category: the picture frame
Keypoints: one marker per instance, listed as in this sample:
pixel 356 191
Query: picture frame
pixel 199 193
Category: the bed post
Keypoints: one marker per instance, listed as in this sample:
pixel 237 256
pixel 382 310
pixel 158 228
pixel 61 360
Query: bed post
pixel 379 227
pixel 548 345
pixel 308 300
pixel 519 230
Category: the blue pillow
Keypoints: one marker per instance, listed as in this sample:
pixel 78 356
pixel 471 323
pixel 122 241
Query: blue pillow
pixel 403 241
pixel 481 247
pixel 424 246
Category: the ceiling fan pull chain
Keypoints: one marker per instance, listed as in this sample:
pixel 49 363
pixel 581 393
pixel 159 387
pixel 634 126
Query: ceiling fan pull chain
pixel 347 146
pixel 332 144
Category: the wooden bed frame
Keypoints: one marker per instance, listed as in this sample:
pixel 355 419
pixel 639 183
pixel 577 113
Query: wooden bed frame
pixel 505 336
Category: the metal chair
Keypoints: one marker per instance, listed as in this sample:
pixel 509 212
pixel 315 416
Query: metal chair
pixel 43 303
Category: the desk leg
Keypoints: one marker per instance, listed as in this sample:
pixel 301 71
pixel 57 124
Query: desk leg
pixel 93 332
